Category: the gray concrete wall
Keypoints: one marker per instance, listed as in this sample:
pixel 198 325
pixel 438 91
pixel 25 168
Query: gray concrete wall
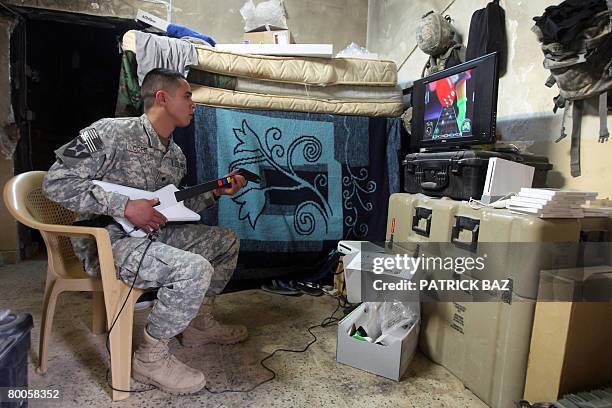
pixel 525 104
pixel 311 21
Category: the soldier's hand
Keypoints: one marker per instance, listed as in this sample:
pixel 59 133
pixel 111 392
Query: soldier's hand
pixel 142 214
pixel 237 183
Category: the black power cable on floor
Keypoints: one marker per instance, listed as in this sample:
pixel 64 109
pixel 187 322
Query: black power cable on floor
pixel 327 322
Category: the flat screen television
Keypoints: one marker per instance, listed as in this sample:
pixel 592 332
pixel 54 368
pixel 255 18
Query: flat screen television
pixel 456 107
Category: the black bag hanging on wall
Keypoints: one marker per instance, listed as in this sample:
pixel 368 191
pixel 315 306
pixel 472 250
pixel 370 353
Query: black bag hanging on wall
pixel 488 34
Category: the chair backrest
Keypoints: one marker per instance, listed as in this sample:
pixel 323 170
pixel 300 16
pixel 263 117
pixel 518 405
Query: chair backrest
pixel 25 200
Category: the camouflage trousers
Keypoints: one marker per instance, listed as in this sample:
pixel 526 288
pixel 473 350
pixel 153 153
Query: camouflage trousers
pixel 186 263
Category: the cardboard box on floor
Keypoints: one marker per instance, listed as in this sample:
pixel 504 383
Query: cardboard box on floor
pixel 390 361
pixel 570 349
pixel 268 35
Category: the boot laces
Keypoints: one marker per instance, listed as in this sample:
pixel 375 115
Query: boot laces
pixel 161 350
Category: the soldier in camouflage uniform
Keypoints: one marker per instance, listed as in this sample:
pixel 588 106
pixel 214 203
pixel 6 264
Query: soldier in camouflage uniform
pixel 189 263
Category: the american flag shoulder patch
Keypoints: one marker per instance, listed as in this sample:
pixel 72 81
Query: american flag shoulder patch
pixel 87 142
pixel 91 139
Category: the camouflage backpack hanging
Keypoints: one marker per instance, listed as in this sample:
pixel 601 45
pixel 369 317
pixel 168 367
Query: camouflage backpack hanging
pixel 576 39
pixel 436 36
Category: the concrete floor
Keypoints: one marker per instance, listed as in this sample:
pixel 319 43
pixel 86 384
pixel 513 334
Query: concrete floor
pixel 78 359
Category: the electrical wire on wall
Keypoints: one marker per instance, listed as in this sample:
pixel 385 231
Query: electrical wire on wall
pixel 4 6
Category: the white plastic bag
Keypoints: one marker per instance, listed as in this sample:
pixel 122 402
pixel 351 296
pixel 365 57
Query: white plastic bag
pixel 396 314
pixel 396 318
pixel 384 322
pixel 271 12
pixel 353 50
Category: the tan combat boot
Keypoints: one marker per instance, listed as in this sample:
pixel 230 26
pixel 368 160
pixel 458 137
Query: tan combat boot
pixel 153 364
pixel 205 329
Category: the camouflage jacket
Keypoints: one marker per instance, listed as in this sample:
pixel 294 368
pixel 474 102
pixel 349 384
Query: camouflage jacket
pixel 125 151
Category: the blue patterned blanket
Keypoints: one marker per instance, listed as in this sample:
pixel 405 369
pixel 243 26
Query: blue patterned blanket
pixel 325 177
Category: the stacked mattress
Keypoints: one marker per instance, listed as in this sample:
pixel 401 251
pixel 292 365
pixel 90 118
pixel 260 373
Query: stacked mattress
pixel 323 133
pixel 344 86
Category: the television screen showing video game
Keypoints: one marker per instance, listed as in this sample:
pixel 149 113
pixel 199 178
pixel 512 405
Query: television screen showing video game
pixel 448 112
pixel 457 107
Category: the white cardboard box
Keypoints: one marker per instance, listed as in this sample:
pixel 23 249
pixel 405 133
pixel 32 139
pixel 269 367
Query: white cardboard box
pixel 390 361
pixel 358 260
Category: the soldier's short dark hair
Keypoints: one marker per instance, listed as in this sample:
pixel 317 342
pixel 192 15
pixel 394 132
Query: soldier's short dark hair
pixel 158 79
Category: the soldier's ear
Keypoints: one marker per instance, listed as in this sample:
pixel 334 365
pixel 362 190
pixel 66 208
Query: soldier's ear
pixel 160 97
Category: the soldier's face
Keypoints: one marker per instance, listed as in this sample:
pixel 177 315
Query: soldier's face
pixel 179 105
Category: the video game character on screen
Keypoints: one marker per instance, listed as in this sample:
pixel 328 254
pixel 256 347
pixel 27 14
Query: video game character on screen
pixel 446 102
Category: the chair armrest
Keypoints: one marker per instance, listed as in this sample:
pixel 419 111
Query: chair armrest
pixel 100 235
pixel 74 231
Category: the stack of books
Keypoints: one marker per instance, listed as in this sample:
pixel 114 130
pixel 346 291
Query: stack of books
pixel 599 208
pixel 550 203
pixel 597 211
